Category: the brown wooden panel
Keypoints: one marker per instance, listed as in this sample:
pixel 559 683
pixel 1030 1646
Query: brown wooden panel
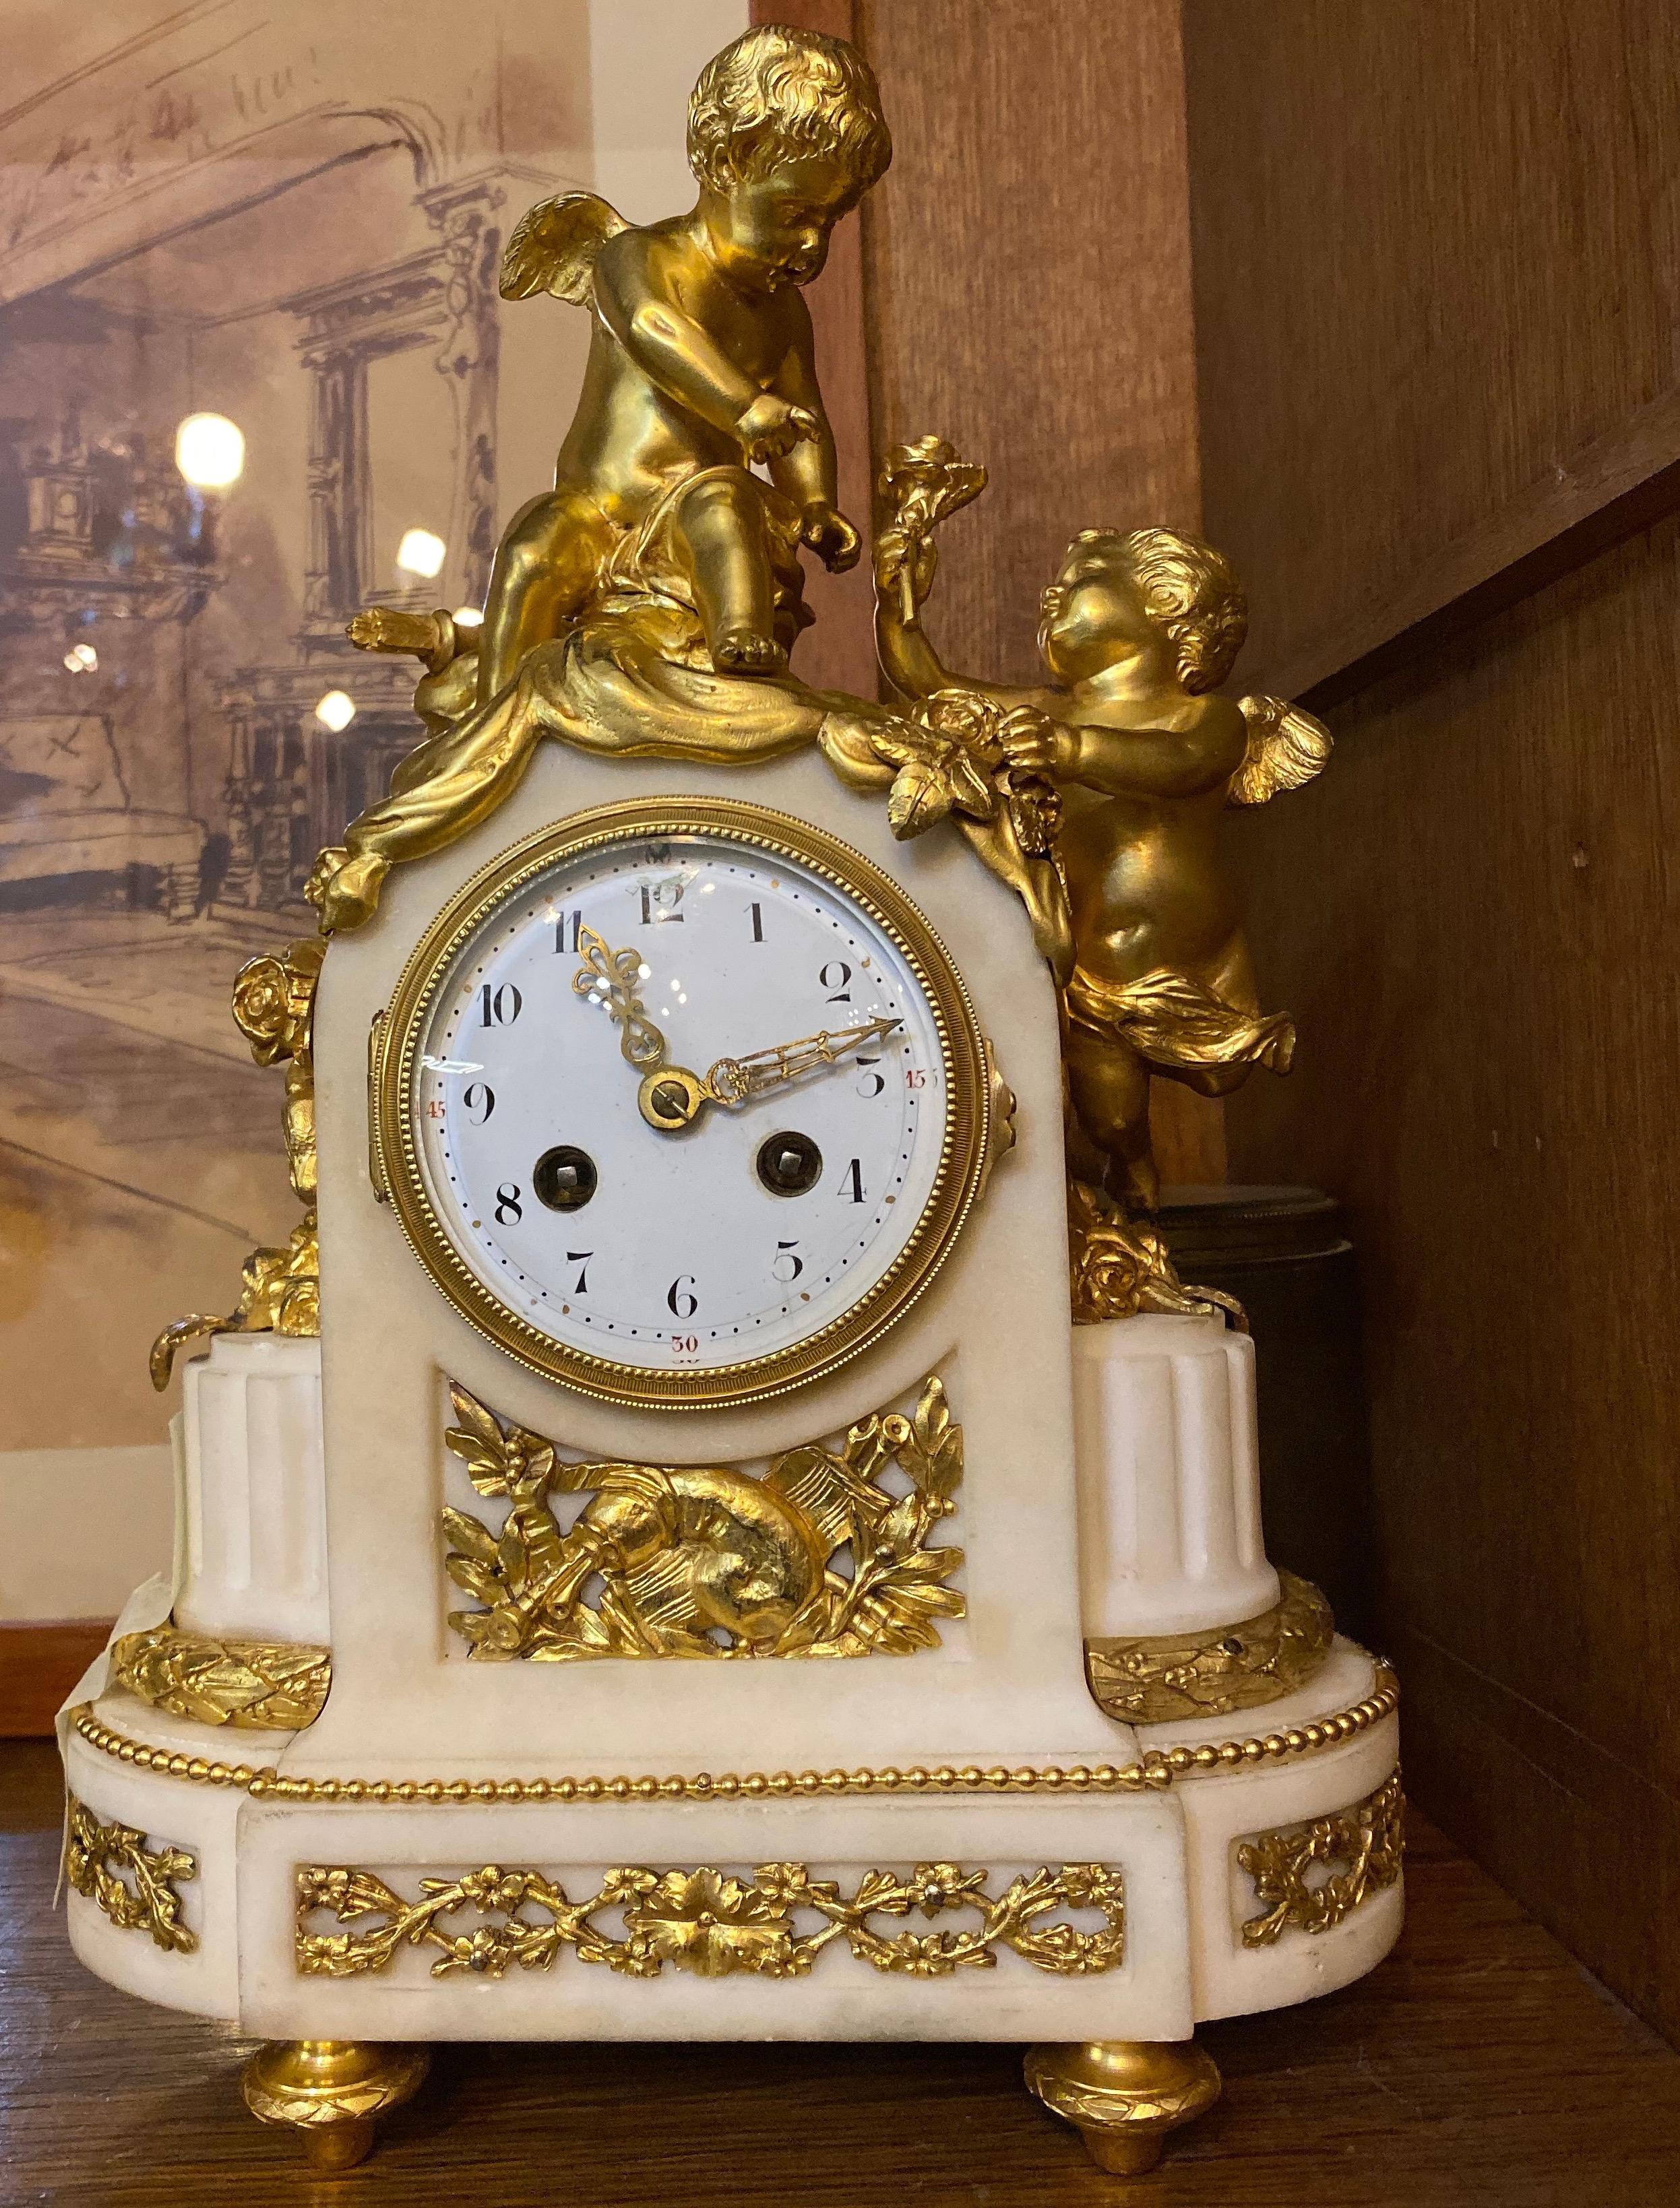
pixel 31 1786
pixel 838 653
pixel 1618 485
pixel 40 1661
pixel 1472 914
pixel 1027 264
pixel 1438 253
pixel 1477 2069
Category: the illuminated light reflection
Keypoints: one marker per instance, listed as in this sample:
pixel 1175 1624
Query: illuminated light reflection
pixel 468 616
pixel 421 553
pixel 210 451
pixel 335 711
pixel 82 659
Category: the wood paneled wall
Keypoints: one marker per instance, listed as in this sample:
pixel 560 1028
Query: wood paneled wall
pixel 1436 254
pixel 1024 288
pixel 1027 264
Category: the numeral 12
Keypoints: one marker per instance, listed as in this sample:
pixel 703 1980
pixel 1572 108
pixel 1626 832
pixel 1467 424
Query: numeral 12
pixel 660 902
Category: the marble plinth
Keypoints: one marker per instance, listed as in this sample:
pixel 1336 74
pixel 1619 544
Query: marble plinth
pixel 1170 1537
pixel 1175 1843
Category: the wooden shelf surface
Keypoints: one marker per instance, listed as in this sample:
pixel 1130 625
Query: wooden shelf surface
pixel 1480 2065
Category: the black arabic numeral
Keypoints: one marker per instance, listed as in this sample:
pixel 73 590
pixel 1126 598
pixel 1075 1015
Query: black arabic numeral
pixel 756 912
pixel 479 1099
pixel 787 1254
pixel 878 1079
pixel 836 977
pixel 660 902
pixel 580 1258
pixel 577 921
pixel 509 1210
pixel 852 1180
pixel 683 1302
pixel 499 1008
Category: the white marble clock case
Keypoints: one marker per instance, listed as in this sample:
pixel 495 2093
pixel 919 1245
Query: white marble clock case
pixel 992 1324
pixel 1007 1687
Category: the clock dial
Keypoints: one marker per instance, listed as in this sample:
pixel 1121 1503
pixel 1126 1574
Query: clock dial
pixel 687 1107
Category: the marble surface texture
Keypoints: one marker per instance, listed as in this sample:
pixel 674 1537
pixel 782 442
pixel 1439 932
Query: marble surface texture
pixel 252 1524
pixel 1186 1899
pixel 1168 1476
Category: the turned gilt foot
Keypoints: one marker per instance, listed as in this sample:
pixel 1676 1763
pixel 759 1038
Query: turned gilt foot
pixel 1124 2096
pixel 333 2091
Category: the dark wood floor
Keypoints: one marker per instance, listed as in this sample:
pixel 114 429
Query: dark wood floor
pixel 1479 2066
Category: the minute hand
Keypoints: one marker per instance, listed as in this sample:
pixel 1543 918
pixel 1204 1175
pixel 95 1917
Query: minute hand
pixel 735 1080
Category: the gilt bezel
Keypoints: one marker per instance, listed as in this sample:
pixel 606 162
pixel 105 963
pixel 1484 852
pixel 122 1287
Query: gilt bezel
pixel 958 1178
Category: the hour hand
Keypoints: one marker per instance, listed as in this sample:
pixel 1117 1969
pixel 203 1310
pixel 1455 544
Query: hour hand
pixel 610 978
pixel 736 1080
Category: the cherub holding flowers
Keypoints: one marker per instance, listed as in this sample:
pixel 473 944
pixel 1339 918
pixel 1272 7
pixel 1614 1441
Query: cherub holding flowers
pixel 1137 632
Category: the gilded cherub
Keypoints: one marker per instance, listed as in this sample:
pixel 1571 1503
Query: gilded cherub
pixel 1137 632
pixel 700 365
pixel 646 606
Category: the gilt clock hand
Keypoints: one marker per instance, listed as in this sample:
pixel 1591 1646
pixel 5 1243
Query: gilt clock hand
pixel 733 1080
pixel 609 977
pixel 669 1095
pixel 671 1098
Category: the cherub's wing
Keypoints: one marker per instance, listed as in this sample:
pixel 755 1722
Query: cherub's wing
pixel 554 246
pixel 1285 748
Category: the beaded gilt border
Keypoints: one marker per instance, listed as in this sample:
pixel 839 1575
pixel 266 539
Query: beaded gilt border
pixel 1159 1768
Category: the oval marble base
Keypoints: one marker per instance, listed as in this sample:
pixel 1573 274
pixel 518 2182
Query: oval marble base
pixel 1193 1852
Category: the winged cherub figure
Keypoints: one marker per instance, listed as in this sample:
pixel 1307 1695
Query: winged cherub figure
pixel 700 365
pixel 1136 633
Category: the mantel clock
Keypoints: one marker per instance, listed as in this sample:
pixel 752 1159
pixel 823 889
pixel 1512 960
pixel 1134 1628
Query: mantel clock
pixel 730 1270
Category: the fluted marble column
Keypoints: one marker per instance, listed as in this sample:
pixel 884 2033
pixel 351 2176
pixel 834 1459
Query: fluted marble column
pixel 1170 1539
pixel 254 1510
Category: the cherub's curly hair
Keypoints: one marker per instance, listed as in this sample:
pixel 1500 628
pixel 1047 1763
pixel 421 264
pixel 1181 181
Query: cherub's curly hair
pixel 777 94
pixel 1191 591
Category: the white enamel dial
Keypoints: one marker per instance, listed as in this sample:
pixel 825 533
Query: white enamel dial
pixel 762 1224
